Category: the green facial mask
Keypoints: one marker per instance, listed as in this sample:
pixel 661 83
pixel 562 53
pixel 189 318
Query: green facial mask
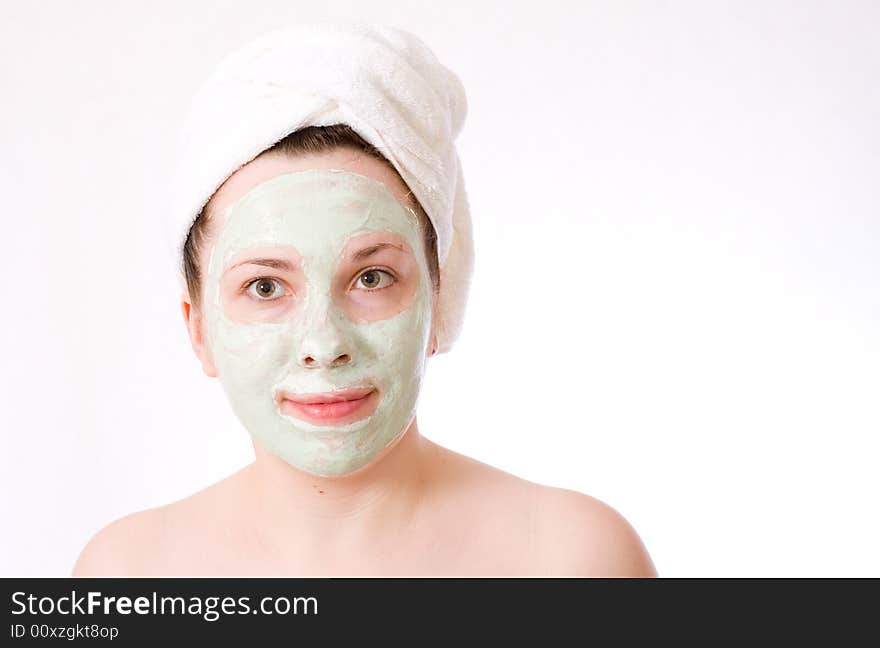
pixel 317 212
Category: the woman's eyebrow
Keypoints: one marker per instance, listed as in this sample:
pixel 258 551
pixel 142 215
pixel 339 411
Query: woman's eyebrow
pixel 279 264
pixel 369 251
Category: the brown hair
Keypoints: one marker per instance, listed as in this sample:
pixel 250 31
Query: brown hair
pixel 312 139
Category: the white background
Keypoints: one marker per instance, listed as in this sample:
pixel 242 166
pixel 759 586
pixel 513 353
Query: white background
pixel 675 306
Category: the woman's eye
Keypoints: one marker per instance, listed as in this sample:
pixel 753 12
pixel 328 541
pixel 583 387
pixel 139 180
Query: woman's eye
pixel 374 279
pixel 266 289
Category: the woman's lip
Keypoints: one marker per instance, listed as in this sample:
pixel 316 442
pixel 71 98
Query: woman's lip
pixel 340 407
pixel 328 397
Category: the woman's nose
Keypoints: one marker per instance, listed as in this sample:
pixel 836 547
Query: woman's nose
pixel 324 347
pixel 311 361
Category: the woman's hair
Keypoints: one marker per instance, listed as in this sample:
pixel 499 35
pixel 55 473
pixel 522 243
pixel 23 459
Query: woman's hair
pixel 312 139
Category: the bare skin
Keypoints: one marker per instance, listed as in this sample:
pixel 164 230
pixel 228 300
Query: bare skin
pixel 418 510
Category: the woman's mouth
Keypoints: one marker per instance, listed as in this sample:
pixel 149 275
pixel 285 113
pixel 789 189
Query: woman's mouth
pixel 338 407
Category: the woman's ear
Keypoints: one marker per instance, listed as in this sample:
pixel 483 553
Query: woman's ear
pixel 435 324
pixel 195 327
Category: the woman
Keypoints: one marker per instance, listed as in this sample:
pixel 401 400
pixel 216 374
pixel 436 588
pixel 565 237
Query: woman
pixel 321 275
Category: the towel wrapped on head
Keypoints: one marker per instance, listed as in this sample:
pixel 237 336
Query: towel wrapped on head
pixel 383 82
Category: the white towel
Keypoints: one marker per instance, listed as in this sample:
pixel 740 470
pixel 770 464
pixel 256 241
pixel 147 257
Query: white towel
pixel 383 82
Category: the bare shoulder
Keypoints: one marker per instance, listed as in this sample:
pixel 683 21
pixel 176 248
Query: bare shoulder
pixel 580 535
pixel 116 549
pixel 467 475
pixel 552 531
pixel 138 544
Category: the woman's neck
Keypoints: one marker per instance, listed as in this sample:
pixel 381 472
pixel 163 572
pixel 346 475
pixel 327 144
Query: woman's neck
pixel 390 486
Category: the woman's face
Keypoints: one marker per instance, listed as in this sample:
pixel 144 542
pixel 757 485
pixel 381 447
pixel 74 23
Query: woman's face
pixel 317 306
